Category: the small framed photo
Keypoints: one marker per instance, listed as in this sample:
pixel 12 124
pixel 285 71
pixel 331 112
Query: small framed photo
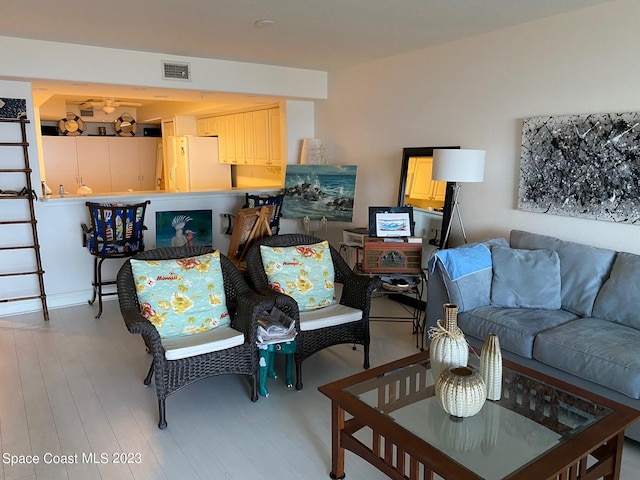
pixel 393 225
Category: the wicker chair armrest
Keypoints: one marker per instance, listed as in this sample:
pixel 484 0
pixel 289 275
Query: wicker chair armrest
pixel 248 310
pixel 358 289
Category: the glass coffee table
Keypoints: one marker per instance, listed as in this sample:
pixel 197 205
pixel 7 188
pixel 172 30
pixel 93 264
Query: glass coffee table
pixel 540 429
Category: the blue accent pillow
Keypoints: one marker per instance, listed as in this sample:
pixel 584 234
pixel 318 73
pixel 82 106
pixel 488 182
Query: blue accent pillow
pixel 182 296
pixel 525 278
pixel 304 272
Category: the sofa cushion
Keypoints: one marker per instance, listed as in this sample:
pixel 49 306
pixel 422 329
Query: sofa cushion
pixel 583 268
pixel 598 350
pixel 304 272
pixel 466 272
pixel 619 298
pixel 525 278
pixel 516 328
pixel 330 316
pixel 209 341
pixel 182 296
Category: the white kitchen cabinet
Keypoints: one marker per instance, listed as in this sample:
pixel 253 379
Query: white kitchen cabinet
pixel 105 164
pixel 93 163
pixel 133 163
pixel 61 163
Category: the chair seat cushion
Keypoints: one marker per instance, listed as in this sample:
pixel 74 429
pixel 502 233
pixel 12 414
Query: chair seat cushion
pixel 220 338
pixel 182 296
pixel 330 316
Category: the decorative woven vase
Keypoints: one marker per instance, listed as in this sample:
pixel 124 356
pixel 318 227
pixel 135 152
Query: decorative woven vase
pixel 448 346
pixel 491 366
pixel 461 391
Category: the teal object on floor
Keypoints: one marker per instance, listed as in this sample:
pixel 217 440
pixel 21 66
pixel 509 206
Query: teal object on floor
pixel 267 357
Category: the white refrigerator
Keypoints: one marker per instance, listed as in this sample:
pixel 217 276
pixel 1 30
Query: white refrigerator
pixel 192 165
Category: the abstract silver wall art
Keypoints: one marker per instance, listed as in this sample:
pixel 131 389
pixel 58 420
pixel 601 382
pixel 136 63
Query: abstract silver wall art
pixel 584 166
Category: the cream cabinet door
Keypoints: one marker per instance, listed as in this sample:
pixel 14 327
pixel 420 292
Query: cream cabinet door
pixel 93 163
pixel 133 163
pixel 239 138
pixel 61 163
pixel 261 136
pixel 422 185
pixel 148 160
pixel 275 136
pixel 123 160
pixel 226 140
pixel 249 139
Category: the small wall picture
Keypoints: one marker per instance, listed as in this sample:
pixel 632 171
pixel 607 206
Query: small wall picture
pixel 13 107
pixel 184 227
pixel 393 225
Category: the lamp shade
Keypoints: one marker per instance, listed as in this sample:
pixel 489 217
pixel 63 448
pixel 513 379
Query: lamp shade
pixel 453 165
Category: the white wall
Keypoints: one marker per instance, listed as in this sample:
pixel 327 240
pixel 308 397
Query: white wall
pixel 475 93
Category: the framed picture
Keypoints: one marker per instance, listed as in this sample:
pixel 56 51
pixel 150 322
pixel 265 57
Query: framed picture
pixel 393 225
pixel 374 211
pixel 183 227
pixel 319 191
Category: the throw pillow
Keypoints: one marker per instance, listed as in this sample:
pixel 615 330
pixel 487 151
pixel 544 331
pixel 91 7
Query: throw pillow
pixel 182 296
pixel 525 278
pixel 466 273
pixel 304 272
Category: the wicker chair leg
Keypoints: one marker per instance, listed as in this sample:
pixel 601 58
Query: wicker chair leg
pixel 147 379
pixel 298 375
pixel 366 357
pixel 163 418
pixel 254 388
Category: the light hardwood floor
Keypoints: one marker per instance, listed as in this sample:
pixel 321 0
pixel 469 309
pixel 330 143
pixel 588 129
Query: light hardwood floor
pixel 73 386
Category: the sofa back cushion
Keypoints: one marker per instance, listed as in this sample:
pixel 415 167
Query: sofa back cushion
pixel 619 297
pixel 525 278
pixel 583 268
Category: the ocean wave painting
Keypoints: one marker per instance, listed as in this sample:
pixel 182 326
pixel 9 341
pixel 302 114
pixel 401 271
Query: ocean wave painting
pixel 318 191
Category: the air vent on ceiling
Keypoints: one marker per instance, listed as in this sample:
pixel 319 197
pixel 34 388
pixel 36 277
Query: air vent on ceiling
pixel 86 113
pixel 176 71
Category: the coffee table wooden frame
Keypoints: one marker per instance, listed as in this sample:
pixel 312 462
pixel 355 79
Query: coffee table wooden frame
pixel 394 450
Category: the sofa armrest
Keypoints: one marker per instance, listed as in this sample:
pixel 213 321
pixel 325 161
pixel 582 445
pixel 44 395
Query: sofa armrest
pixel 436 296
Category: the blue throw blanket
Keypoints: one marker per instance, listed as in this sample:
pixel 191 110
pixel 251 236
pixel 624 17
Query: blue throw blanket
pixel 462 261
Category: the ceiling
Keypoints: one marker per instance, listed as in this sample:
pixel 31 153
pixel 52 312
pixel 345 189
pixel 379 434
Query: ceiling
pixel 311 34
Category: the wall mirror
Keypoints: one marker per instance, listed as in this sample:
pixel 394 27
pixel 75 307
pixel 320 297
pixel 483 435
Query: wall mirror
pixel 430 199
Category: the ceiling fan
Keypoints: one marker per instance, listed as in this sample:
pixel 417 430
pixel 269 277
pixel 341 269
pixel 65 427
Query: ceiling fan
pixel 108 105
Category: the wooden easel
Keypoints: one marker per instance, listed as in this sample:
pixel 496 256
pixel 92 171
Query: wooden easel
pixel 251 225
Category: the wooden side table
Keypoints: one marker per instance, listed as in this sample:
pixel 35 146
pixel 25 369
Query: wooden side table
pixel 267 357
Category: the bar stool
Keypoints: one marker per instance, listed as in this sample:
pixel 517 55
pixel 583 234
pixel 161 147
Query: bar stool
pixel 116 231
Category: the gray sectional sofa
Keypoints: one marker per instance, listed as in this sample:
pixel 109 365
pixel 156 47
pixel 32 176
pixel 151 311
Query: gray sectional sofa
pixel 563 308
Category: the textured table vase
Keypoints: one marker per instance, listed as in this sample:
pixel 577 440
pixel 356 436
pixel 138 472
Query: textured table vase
pixel 491 366
pixel 461 391
pixel 448 346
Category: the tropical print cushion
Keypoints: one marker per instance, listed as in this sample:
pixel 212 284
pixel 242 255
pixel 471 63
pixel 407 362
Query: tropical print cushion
pixel 304 272
pixel 123 226
pixel 182 296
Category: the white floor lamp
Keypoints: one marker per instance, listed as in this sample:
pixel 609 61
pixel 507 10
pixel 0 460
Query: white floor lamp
pixel 459 166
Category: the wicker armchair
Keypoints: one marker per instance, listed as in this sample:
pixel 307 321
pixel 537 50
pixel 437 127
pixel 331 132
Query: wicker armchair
pixel 243 305
pixel 356 294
